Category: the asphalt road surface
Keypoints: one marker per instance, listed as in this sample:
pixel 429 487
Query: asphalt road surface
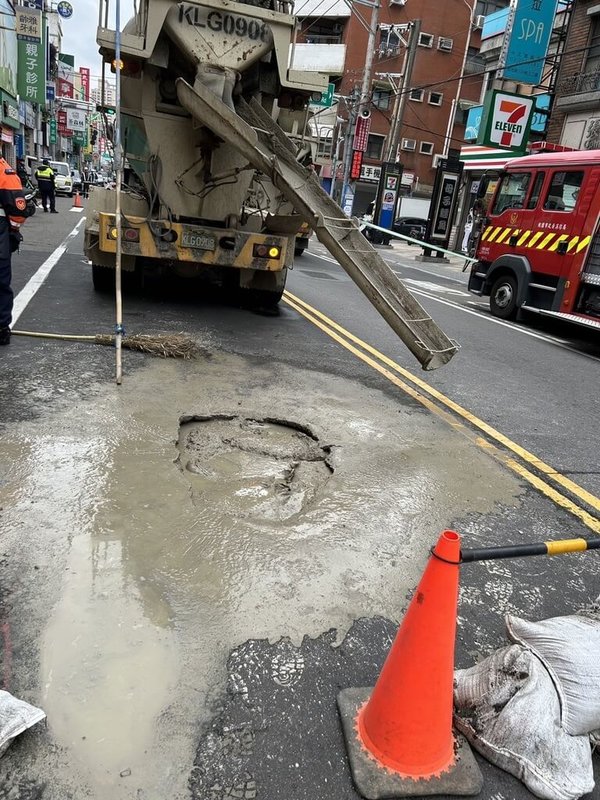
pixel 193 564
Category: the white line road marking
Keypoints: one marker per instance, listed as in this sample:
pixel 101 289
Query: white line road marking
pixel 77 210
pixel 36 281
pixel 564 344
pixel 434 287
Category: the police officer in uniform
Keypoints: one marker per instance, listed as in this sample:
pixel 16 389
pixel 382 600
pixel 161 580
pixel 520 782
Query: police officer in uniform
pixel 44 176
pixel 12 215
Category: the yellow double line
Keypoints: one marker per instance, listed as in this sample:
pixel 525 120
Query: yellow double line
pixel 456 416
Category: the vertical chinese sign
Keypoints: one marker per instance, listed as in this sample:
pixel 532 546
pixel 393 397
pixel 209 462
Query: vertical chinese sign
pixel 31 75
pixel 66 75
pixel 85 82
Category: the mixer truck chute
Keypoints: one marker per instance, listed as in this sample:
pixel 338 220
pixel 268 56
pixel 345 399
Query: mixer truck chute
pixel 210 110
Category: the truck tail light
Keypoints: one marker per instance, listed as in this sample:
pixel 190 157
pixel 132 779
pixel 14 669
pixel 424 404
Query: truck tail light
pixel 266 251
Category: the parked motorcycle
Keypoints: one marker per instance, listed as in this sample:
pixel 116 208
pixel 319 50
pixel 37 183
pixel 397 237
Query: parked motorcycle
pixel 30 198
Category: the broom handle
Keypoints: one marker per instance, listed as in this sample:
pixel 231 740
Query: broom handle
pixel 118 163
pixel 65 336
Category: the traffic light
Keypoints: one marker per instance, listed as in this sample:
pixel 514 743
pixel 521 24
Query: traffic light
pixel 94 136
pixel 108 110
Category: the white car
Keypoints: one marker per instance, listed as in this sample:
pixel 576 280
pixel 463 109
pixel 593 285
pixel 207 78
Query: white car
pixel 63 182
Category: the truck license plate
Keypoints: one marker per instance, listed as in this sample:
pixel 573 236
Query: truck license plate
pixel 199 241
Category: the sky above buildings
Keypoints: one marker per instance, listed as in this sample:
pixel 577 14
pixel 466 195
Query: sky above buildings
pixel 79 32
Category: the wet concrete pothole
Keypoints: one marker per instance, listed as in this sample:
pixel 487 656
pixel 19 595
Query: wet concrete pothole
pixel 267 469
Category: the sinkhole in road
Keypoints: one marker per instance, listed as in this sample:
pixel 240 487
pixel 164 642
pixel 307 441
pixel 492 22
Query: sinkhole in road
pixel 269 469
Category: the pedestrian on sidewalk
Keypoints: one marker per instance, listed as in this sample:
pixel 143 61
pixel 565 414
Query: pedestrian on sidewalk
pixel 44 176
pixel 12 215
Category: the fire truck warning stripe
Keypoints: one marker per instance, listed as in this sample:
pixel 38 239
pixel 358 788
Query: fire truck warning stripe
pixel 560 239
pixel 344 337
pixel 503 235
pixel 583 243
pixel 535 238
pixel 493 234
pixel 545 242
pixel 549 242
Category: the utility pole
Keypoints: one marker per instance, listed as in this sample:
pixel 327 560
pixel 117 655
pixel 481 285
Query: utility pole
pixel 364 102
pixel 400 104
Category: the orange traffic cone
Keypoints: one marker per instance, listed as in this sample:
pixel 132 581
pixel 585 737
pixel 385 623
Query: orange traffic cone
pixel 399 735
pixel 77 201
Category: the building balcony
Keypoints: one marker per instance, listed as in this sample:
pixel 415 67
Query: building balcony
pixel 326 58
pixel 579 92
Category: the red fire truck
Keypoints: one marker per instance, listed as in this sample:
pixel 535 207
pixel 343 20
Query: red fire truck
pixel 539 243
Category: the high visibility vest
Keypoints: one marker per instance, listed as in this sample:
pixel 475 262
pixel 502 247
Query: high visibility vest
pixel 12 196
pixel 45 173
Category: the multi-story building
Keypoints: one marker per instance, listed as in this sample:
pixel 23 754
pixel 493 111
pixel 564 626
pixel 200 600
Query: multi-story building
pixel 444 80
pixel 575 116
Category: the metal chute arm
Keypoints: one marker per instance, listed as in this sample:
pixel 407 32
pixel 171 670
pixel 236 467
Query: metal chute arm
pixel 254 134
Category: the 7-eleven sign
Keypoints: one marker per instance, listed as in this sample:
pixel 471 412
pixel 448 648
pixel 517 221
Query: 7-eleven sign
pixel 506 121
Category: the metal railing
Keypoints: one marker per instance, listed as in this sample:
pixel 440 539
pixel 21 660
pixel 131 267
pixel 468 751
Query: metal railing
pixel 582 82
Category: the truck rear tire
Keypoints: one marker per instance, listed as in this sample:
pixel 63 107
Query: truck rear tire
pixel 298 251
pixel 503 297
pixel 103 279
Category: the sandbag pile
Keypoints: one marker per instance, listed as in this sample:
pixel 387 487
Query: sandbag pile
pixel 533 708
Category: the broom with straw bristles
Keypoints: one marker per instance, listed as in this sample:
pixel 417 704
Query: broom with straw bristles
pixel 173 345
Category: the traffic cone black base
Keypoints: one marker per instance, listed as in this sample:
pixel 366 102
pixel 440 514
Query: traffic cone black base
pixel 376 782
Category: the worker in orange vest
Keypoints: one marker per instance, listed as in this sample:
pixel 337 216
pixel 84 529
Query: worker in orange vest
pixel 13 212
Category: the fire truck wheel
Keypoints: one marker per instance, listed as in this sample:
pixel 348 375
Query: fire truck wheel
pixel 503 297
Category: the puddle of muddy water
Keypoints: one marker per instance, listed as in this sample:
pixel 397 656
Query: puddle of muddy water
pixel 183 519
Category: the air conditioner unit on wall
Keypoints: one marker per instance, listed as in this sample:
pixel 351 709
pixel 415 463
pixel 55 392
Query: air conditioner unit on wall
pixel 445 44
pixel 409 144
pixel 478 22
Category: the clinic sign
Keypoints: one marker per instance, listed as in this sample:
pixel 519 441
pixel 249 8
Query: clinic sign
pixel 506 121
pixel 527 37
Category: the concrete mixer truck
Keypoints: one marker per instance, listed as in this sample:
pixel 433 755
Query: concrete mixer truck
pixel 213 116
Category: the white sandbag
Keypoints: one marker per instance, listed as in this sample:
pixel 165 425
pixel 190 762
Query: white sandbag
pixel 570 649
pixel 16 716
pixel 508 708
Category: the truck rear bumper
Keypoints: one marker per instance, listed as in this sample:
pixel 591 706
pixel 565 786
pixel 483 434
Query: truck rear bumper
pixel 195 244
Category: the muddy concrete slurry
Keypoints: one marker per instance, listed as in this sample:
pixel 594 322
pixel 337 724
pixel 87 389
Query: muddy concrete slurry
pixel 150 530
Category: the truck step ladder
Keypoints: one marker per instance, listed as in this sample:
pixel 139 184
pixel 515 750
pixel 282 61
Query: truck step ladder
pixel 254 134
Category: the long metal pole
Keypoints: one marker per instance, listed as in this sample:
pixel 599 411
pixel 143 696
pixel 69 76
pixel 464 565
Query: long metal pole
pixel 409 62
pixel 365 95
pixel 119 175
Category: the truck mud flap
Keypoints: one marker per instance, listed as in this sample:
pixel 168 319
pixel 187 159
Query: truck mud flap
pixel 254 134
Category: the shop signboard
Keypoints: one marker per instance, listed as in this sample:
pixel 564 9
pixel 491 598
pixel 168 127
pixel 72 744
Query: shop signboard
pixel 10 111
pixel 32 70
pixel 28 24
pixel 361 132
pixel 506 121
pixel 84 74
pixel 66 75
pixel 444 199
pixel 527 38
pixel 53 131
pixel 388 193
pixel 76 120
pixel 8 49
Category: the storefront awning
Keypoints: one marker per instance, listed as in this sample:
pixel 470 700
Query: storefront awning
pixel 478 158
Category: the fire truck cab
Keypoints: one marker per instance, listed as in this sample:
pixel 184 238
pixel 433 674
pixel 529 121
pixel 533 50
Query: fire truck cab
pixel 539 244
